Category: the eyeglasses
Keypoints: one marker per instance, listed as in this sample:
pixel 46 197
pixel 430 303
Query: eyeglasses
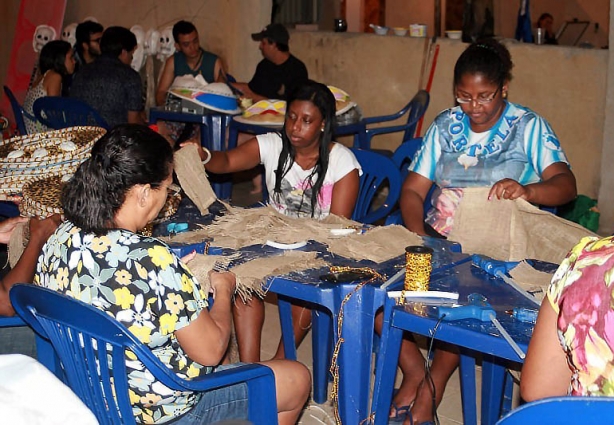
pixel 480 100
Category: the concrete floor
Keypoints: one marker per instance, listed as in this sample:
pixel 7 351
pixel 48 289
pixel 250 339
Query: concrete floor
pixel 449 412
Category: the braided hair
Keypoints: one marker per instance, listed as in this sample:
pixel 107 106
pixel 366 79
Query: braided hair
pixel 487 57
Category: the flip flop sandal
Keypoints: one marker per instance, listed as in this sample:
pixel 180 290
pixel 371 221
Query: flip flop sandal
pixel 400 412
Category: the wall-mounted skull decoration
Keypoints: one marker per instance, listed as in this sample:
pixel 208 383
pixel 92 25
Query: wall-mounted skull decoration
pixel 42 35
pixel 167 44
pixel 138 57
pixel 152 42
pixel 69 33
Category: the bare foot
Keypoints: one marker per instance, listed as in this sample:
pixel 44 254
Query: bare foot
pixel 422 409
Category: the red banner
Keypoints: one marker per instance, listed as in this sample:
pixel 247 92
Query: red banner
pixel 32 13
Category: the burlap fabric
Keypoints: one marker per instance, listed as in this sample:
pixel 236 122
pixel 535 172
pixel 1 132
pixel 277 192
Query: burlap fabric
pixel 193 179
pixel 241 227
pixel 246 227
pixel 534 281
pixel 512 230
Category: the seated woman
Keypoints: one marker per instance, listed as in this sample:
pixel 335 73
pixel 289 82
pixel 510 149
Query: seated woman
pixel 571 350
pixel 484 141
pixel 97 256
pixel 308 175
pixel 56 61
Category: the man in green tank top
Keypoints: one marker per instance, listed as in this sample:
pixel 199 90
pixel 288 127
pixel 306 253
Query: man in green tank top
pixel 190 59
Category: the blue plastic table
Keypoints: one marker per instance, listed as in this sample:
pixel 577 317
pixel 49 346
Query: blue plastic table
pixel 212 136
pixel 355 355
pixel 471 336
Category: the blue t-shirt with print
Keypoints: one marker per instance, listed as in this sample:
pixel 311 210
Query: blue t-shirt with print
pixel 520 146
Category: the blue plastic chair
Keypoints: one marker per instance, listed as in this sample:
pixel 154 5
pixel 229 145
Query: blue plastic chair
pixel 77 329
pixel 60 112
pixel 562 410
pixel 377 172
pixel 415 109
pixel 18 112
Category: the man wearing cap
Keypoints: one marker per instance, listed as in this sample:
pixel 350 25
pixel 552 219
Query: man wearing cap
pixel 279 71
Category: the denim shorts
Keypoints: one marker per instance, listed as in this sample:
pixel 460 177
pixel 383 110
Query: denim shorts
pixel 224 403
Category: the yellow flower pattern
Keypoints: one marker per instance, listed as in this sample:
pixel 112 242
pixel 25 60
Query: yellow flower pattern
pixel 121 272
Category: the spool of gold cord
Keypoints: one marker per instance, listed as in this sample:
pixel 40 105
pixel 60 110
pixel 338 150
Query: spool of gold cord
pixel 417 268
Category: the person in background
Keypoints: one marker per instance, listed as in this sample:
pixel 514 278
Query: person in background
pixel 109 84
pixel 278 72
pixel 308 175
pixel 484 141
pixel 571 351
pixel 56 61
pixel 190 59
pixel 140 282
pixel 276 75
pixel 88 35
pixel 87 48
pixel 545 22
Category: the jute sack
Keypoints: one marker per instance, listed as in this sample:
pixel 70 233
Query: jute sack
pixel 193 179
pixel 512 230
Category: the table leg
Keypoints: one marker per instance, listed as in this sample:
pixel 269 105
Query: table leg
pixel 386 368
pixel 354 357
pixel 287 330
pixel 468 391
pixel 493 372
pixel 321 349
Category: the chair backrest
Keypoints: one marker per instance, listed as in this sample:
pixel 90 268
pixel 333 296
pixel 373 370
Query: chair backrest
pixel 378 171
pixel 17 111
pixel 562 410
pixel 405 153
pixel 60 112
pixel 416 109
pixel 77 330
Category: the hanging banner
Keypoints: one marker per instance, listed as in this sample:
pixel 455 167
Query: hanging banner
pixel 48 16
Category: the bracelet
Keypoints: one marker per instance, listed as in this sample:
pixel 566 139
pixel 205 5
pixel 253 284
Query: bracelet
pixel 208 152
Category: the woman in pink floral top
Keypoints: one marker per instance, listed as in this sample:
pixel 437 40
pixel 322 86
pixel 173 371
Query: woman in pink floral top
pixel 572 348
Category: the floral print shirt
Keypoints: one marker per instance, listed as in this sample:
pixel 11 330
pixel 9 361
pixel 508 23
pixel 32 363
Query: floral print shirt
pixel 582 294
pixel 143 285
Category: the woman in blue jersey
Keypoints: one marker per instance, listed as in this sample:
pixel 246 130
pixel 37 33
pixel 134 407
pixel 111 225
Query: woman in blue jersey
pixel 483 141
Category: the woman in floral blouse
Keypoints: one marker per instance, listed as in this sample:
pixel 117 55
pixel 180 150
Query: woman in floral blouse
pixel 98 257
pixel 572 348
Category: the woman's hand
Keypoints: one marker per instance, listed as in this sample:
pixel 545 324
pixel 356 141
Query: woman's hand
pixel 187 258
pixel 222 283
pixel 7 227
pixel 509 189
pixel 196 143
